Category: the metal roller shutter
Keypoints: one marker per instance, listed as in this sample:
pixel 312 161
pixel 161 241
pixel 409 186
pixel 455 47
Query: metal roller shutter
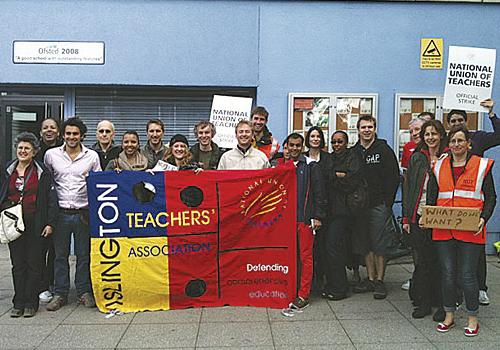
pixel 129 108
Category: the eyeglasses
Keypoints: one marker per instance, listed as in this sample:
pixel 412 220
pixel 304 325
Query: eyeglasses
pixel 104 131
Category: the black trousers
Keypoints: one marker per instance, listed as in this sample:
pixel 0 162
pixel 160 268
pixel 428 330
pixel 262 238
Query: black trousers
pixel 26 258
pixel 425 288
pixel 335 249
pixel 481 271
pixel 48 257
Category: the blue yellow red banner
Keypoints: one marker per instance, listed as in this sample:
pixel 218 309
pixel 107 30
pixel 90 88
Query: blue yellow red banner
pixel 173 240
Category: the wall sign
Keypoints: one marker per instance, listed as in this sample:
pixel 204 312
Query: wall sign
pixel 431 53
pixel 58 52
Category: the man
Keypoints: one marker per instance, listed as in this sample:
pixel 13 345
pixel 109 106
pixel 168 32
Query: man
pixel 264 140
pixel 311 211
pixel 105 147
pixel 70 164
pixel 154 149
pixel 244 156
pixel 205 152
pixel 372 238
pixel 481 141
pixel 414 125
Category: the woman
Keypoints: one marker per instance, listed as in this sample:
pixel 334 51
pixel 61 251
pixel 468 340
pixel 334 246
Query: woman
pixel 315 142
pixel 131 157
pixel 177 157
pixel 415 193
pixel 27 179
pixel 463 180
pixel 49 137
pixel 344 171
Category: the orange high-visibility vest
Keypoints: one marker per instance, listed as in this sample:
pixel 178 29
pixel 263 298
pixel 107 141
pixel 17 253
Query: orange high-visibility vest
pixel 465 192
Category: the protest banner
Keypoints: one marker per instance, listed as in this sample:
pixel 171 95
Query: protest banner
pixel 469 78
pixel 454 218
pixel 174 240
pixel 226 112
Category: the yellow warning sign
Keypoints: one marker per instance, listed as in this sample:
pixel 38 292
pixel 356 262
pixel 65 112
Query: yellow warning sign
pixel 431 53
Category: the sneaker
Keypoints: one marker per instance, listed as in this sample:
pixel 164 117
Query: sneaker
pixel 45 297
pixel 483 298
pixel 443 328
pixel 471 332
pixel 439 315
pixel 379 291
pixel 364 286
pixel 406 285
pixel 87 300
pixel 29 312
pixel 299 304
pixel 56 303
pixel 15 313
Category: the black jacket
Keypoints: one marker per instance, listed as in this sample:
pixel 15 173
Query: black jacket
pixel 214 157
pixel 311 194
pixel 324 160
pixel 349 162
pixel 418 168
pixel 105 157
pixel 381 171
pixel 46 197
pixel 44 148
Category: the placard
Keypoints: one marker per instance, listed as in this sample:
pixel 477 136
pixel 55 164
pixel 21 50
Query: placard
pixel 454 218
pixel 469 78
pixel 226 112
pixel 58 52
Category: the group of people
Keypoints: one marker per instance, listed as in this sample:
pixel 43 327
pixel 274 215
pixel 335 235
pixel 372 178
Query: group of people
pixel 344 203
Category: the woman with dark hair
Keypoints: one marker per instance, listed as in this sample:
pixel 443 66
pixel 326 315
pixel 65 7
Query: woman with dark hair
pixel 27 181
pixel 50 136
pixel 131 158
pixel 344 168
pixel 463 180
pixel 177 157
pixel 416 191
pixel 315 142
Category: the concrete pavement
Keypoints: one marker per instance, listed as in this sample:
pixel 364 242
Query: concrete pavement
pixel 359 322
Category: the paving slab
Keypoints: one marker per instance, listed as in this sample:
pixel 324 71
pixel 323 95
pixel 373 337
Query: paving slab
pixel 21 336
pixel 42 317
pixel 316 347
pixel 85 315
pixel 381 331
pixel 171 316
pixel 234 334
pixel 309 333
pixel 167 335
pixel 234 314
pixel 397 346
pixel 84 336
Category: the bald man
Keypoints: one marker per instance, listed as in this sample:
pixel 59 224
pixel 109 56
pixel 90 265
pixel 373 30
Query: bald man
pixel 105 147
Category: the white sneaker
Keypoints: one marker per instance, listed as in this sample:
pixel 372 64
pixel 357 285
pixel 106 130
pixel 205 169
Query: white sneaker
pixel 406 285
pixel 45 297
pixel 483 298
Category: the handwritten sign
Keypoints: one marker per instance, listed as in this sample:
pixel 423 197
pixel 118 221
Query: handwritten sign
pixel 463 219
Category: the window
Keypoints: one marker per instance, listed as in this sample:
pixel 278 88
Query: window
pixel 331 112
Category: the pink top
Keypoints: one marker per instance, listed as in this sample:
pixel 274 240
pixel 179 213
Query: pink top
pixel 69 175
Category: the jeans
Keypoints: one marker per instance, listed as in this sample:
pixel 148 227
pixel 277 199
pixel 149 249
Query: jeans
pixel 66 225
pixel 335 252
pixel 463 256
